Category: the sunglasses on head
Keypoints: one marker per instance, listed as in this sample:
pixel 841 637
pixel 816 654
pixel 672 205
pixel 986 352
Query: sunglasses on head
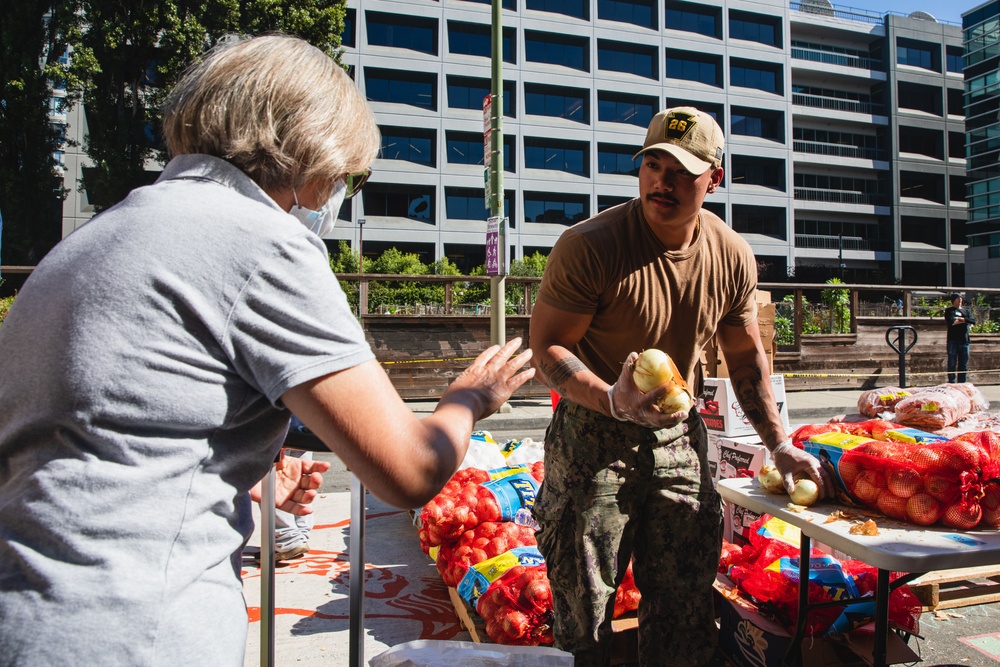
pixel 356 181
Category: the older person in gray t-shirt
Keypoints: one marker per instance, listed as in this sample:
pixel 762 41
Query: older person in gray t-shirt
pixel 152 359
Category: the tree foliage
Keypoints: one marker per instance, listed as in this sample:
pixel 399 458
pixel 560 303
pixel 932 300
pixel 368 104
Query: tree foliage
pixel 138 49
pixel 33 36
pixel 125 56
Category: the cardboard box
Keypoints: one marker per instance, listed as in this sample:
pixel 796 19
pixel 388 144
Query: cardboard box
pixel 713 363
pixel 736 523
pixel 749 639
pixel 722 412
pixel 741 453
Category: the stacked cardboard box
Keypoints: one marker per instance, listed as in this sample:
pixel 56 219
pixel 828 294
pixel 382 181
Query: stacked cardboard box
pixel 714 365
pixel 721 410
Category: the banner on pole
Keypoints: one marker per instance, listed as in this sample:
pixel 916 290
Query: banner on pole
pixel 493 267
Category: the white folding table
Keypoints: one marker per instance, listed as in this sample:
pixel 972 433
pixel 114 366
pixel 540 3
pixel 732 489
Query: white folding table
pixel 899 547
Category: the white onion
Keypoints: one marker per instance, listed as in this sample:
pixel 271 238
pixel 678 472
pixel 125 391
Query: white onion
pixel 806 492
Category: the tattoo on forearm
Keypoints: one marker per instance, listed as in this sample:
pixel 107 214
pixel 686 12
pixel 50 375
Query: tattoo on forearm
pixel 562 370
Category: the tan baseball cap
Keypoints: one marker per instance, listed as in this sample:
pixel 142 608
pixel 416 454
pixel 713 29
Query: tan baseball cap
pixel 690 135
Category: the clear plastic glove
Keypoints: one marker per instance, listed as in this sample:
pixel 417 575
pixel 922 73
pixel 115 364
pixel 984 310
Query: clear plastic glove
pixel 628 404
pixel 790 461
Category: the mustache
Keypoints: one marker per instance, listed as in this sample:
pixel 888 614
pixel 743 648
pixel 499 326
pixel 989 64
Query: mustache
pixel 661 196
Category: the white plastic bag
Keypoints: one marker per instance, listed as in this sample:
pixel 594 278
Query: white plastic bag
pixel 436 652
pixel 483 453
pixel 527 451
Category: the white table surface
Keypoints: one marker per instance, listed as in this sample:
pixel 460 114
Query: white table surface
pixel 899 546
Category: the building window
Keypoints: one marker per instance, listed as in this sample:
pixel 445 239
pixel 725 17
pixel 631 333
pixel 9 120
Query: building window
pixel 474 39
pixel 616 159
pixel 956 145
pixel 408 144
pixel 921 141
pixel 466 92
pixel 750 74
pixel 607 201
pixel 349 36
pixel 636 12
pixel 465 204
pixel 921 185
pixel 552 208
pixel 397 200
pixel 416 89
pixel 625 108
pixel 764 172
pixel 568 103
pixel 554 155
pixel 467 148
pixel 928 231
pixel 691 17
pixel 764 220
pixel 688 66
pixel 414 33
pixel 553 49
pixel 758 123
pixel 755 28
pixel 956 102
pixel 579 9
pixel 840 144
pixel 627 58
pixel 918 54
pixel 919 97
pixel 954 59
pixel 956 189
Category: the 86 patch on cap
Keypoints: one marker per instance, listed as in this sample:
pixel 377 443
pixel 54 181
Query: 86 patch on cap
pixel 690 135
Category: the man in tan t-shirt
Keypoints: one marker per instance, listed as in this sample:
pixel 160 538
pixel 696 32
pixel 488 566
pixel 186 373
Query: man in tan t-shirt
pixel 623 480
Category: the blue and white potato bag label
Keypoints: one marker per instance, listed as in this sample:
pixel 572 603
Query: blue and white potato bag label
pixel 512 493
pixel 481 575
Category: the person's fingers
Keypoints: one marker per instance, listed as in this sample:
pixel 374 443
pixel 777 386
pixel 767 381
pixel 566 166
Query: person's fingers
pixel 789 481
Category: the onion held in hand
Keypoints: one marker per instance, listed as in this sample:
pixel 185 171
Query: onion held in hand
pixel 806 492
pixel 654 368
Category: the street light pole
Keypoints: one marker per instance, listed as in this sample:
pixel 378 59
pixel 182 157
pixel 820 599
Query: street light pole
pixel 362 285
pixel 498 316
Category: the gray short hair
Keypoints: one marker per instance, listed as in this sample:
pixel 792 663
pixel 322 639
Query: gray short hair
pixel 276 107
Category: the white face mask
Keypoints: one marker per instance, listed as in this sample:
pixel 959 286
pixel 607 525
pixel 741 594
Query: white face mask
pixel 321 222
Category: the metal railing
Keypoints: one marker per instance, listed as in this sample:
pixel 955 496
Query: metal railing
pixel 820 55
pixel 839 150
pixel 837 104
pixel 841 197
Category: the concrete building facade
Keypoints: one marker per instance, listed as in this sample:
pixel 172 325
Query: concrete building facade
pixel 844 156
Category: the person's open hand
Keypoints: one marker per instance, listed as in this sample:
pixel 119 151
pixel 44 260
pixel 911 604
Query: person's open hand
pixel 790 460
pixel 493 377
pixel 628 403
pixel 296 482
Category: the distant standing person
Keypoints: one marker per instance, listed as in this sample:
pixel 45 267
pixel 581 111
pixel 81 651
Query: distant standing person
pixel 960 321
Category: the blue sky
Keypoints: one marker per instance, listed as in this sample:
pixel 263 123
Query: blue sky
pixel 939 9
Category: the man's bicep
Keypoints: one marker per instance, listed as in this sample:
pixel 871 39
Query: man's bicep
pixel 551 326
pixel 739 343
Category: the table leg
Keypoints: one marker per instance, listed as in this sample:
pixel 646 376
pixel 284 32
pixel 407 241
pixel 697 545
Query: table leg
pixel 794 654
pixel 881 618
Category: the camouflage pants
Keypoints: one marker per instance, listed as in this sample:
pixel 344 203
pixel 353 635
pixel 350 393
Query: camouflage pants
pixel 614 491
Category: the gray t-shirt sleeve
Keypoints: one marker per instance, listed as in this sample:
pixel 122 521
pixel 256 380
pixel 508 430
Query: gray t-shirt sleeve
pixel 291 322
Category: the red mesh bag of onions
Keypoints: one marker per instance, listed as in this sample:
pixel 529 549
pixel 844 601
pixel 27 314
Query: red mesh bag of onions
pixel 953 482
pixel 517 607
pixel 474 496
pixel 487 540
